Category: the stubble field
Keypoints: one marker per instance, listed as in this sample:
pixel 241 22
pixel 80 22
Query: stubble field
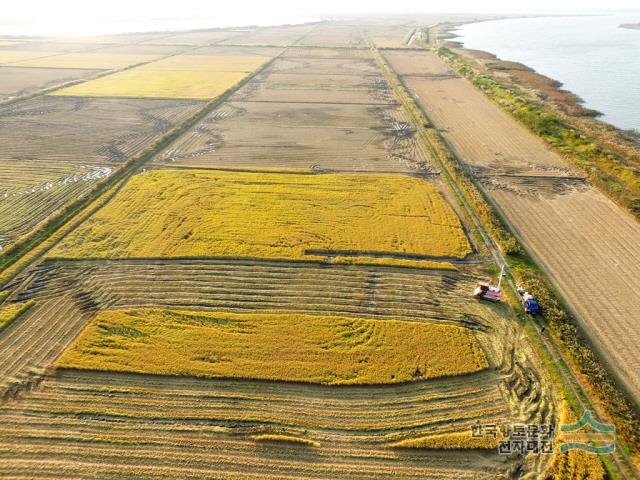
pixel 54 149
pixel 322 112
pixel 585 242
pixel 17 81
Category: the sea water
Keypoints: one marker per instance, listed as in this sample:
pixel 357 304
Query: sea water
pixel 591 55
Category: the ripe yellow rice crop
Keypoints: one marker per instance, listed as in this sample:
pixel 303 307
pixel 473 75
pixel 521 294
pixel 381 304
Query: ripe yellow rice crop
pixel 204 213
pixel 290 347
pixel 450 441
pixel 290 439
pixel 9 313
pixel 395 262
pixel 179 76
pixel 141 83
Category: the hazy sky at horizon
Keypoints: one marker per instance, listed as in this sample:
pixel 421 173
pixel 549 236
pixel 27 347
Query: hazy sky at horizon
pixel 86 16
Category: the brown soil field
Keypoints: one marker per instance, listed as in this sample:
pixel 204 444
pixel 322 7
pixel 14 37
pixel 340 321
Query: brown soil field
pixel 590 247
pixel 318 52
pixel 319 80
pixel 53 149
pixel 316 88
pixel 417 63
pixel 301 135
pixel 16 81
pixel 331 35
pixel 324 65
pixel 205 37
pixel 463 113
pixel 281 36
pixel 586 243
pixel 389 36
pixel 235 50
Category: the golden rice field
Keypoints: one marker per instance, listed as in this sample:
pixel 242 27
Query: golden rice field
pixel 10 312
pixel 293 347
pixel 450 441
pixel 206 213
pixel 137 83
pixel 178 76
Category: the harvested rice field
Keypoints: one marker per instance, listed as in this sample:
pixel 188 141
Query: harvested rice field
pixel 322 52
pixel 269 36
pixel 160 427
pixel 319 80
pixel 208 63
pixel 390 36
pixel 349 428
pixel 586 243
pixel 200 213
pixel 17 81
pixel 328 137
pixel 10 56
pixel 89 60
pixel 332 35
pixel 201 37
pixel 54 149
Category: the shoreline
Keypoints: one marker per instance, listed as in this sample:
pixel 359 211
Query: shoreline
pixel 543 89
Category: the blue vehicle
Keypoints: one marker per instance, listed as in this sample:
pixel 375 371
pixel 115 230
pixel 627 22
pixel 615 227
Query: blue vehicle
pixel 530 305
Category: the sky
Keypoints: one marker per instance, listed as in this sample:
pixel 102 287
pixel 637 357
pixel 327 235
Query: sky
pixel 92 16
